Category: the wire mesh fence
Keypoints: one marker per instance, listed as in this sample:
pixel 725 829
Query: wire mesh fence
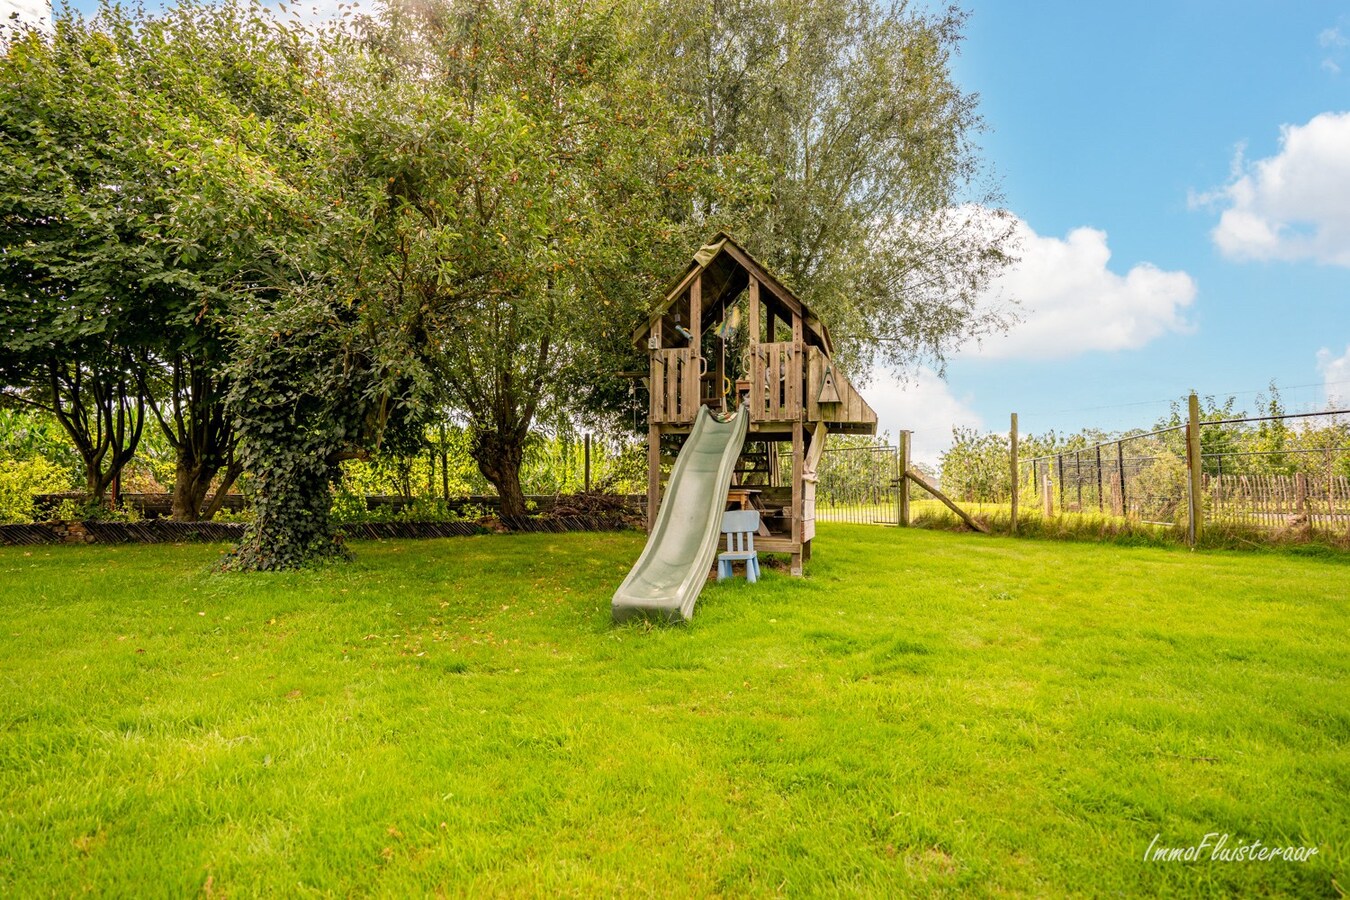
pixel 1142 476
pixel 1283 471
pixel 855 484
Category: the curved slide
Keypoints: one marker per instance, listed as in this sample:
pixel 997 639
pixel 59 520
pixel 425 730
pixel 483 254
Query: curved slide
pixel 667 577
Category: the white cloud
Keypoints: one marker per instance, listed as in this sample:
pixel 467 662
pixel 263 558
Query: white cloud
pixel 1296 204
pixel 1335 374
pixel 1335 41
pixel 1073 303
pixel 923 404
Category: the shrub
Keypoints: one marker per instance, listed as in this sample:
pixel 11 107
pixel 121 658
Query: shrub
pixel 21 479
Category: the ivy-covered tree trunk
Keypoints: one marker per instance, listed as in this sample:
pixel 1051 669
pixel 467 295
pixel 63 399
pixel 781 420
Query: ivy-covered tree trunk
pixel 311 384
pixel 292 525
pixel 289 410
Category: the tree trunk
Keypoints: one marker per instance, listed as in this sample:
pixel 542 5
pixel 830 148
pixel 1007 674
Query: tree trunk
pixel 190 483
pixel 232 472
pixel 499 457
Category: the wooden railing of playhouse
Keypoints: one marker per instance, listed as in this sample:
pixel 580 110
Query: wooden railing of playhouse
pixel 776 374
pixel 786 385
pixel 674 386
pixel 847 405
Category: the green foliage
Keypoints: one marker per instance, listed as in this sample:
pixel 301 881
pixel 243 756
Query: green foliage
pixel 523 202
pixel 20 479
pixel 876 215
pixel 310 384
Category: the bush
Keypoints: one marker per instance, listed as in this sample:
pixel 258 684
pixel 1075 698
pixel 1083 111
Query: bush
pixel 21 479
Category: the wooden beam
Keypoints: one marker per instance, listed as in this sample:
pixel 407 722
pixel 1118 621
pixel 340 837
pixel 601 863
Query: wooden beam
pixel 752 302
pixel 902 512
pixel 1195 525
pixel 696 314
pixel 653 474
pixel 1016 470
pixel 798 464
pixel 922 482
pixel 786 297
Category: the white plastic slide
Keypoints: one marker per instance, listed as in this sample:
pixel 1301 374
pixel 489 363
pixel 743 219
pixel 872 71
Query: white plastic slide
pixel 667 577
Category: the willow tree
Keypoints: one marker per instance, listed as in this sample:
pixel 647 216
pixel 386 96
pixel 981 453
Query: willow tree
pixel 526 176
pixel 880 211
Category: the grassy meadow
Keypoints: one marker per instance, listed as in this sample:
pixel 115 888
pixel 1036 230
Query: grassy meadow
pixel 925 713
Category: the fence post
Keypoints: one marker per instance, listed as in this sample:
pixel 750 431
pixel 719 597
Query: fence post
pixel 1196 503
pixel 1047 492
pixel 588 462
pixel 902 501
pixel 1120 474
pixel 1016 470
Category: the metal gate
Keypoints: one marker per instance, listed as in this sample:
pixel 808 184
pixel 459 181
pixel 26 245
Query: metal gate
pixel 859 485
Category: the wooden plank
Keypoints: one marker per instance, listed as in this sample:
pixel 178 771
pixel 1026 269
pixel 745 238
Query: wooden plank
pixel 1016 470
pixel 752 303
pixel 922 482
pixel 653 473
pixel 798 461
pixel 902 513
pixel 689 390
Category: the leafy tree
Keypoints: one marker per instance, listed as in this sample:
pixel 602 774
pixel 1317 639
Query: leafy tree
pixel 145 191
pixel 876 213
pixel 68 225
pixel 525 178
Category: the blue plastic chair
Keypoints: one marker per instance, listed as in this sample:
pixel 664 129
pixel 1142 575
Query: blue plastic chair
pixel 739 525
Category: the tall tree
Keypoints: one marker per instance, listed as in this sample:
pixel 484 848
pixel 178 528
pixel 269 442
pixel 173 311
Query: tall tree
pixel 879 214
pixel 68 229
pixel 144 191
pixel 527 179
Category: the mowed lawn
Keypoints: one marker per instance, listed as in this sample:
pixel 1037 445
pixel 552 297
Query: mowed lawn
pixel 925 713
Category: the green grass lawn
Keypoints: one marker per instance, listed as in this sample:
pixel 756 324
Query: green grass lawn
pixel 924 713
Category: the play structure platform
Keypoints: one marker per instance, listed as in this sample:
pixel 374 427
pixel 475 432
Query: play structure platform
pixel 668 576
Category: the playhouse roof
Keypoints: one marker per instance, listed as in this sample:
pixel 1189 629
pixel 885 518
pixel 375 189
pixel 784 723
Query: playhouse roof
pixel 731 268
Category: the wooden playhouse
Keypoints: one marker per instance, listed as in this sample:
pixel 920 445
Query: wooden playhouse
pixel 729 332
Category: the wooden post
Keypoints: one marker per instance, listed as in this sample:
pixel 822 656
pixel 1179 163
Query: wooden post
pixel 1047 492
pixel 1016 471
pixel 1300 494
pixel 1195 504
pixel 696 315
pixel 653 473
pixel 1099 478
pixel 912 475
pixel 798 449
pixel 752 304
pixel 588 462
pixel 654 434
pixel 902 511
pixel 1120 473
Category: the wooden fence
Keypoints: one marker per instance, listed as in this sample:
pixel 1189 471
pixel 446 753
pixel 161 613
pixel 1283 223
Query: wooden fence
pixel 1280 500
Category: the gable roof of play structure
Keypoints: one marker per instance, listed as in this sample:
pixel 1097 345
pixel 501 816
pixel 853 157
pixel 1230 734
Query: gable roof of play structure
pixel 727 268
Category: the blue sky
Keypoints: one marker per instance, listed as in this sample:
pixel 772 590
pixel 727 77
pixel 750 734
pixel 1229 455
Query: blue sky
pixel 1187 136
